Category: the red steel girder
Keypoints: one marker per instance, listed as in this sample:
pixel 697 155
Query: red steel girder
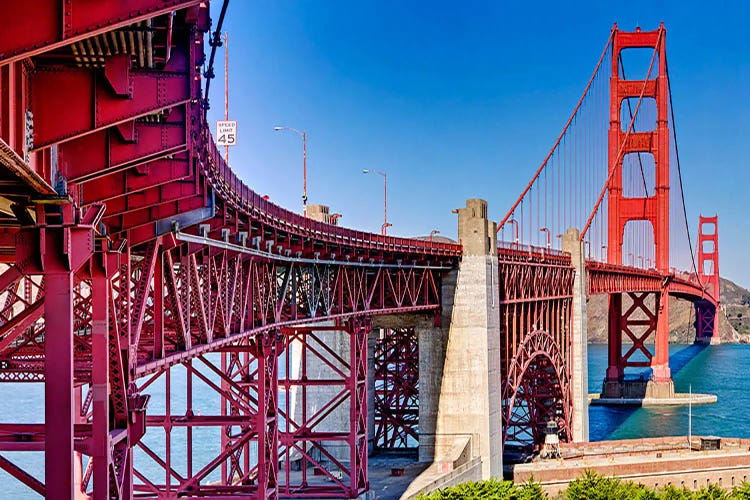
pixel 133 180
pixel 248 457
pixel 37 26
pixel 117 148
pixel 637 324
pixel 536 389
pixel 89 104
pixel 134 206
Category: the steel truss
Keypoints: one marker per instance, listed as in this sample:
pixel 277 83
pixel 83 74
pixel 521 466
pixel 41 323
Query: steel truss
pixel 323 430
pixel 637 324
pixel 536 298
pixel 396 389
pixel 128 340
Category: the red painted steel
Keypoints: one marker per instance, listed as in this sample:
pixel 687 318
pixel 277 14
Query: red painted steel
pixel 136 255
pixel 133 163
pixel 707 311
pixel 324 445
pixel 654 209
pixel 396 386
pixel 536 297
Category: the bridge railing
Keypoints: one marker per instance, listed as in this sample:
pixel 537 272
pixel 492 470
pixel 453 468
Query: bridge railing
pixel 233 190
pixel 523 252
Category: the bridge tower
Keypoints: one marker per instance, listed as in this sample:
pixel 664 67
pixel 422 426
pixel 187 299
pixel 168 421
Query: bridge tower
pixel 706 314
pixel 648 314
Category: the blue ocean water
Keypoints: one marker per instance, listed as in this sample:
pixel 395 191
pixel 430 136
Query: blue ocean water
pixel 709 369
pixel 716 370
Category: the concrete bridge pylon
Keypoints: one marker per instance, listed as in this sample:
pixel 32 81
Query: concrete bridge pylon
pixel 572 245
pixel 460 386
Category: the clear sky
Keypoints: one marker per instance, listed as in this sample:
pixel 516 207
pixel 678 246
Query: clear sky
pixel 459 100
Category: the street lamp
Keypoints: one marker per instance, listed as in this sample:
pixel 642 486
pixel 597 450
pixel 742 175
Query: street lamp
pixel 515 229
pixel 604 254
pixel 640 259
pixel 549 242
pixel 632 259
pixel 433 233
pixel 385 225
pixel 333 218
pixel 304 164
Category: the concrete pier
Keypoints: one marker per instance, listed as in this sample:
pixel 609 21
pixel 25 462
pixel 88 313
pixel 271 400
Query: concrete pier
pixel 572 245
pixel 460 387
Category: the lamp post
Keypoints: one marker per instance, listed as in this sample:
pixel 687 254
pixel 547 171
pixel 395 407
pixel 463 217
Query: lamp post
pixel 515 230
pixel 632 259
pixel 433 233
pixel 549 241
pixel 304 164
pixel 385 225
pixel 640 259
pixel 604 253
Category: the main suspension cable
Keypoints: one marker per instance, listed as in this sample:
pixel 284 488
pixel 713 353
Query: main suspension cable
pixel 215 42
pixel 679 172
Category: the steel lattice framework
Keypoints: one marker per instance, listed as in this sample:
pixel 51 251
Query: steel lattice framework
pixel 155 259
pixel 396 389
pixel 136 261
pixel 536 295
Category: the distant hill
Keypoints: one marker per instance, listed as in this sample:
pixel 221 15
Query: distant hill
pixel 734 318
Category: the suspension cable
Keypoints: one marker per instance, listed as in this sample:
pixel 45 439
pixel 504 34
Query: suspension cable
pixel 622 146
pixel 559 138
pixel 679 172
pixel 215 42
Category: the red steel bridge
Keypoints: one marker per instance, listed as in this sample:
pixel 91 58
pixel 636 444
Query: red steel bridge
pixel 138 270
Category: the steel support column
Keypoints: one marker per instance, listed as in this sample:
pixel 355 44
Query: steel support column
pixel 100 378
pixel 56 247
pixel 660 362
pixel 58 387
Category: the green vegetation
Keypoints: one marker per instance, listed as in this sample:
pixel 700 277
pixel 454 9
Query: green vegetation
pixel 492 489
pixel 589 487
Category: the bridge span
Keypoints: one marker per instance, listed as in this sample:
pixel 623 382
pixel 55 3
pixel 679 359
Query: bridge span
pixel 138 271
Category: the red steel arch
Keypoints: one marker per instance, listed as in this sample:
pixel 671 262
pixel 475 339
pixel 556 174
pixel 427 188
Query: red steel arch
pixel 537 389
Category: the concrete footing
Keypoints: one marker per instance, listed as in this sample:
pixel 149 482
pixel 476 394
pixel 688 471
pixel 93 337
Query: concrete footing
pixel 677 399
pixel 638 389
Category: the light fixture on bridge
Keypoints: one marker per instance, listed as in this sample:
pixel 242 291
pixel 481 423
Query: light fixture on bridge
pixel 302 134
pixel 515 229
pixel 386 224
pixel 549 241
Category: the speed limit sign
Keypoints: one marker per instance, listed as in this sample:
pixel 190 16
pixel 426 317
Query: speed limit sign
pixel 226 133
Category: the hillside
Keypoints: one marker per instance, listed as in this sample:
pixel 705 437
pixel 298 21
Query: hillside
pixel 734 318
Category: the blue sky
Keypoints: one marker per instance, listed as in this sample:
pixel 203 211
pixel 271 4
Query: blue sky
pixel 458 100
